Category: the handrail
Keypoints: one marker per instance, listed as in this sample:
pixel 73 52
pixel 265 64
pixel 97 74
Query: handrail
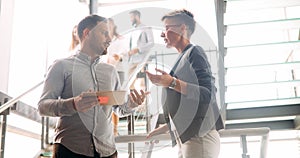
pixel 262 65
pixel 242 133
pixel 263 22
pixel 287 82
pixel 262 100
pixel 140 138
pixel 262 131
pixel 11 102
pixel 223 133
pixel 262 44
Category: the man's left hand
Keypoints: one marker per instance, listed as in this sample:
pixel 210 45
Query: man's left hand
pixel 137 98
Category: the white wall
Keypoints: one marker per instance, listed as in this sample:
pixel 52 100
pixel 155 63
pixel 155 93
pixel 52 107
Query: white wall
pixel 6 22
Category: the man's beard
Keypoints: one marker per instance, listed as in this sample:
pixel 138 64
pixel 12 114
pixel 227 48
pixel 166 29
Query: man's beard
pixel 134 22
pixel 104 51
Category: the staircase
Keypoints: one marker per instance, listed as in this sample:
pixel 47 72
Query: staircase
pixel 262 64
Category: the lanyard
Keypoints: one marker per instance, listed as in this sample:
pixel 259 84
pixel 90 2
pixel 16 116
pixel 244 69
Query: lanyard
pixel 179 59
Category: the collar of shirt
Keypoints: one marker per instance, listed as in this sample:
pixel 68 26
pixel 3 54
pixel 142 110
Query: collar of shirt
pixel 86 58
pixel 186 48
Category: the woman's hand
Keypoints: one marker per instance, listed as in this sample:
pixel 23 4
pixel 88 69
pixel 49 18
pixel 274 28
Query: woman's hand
pixel 164 79
pixel 160 130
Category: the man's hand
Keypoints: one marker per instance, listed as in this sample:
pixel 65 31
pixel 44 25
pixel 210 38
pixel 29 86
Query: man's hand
pixel 85 101
pixel 160 80
pixel 133 51
pixel 117 57
pixel 136 98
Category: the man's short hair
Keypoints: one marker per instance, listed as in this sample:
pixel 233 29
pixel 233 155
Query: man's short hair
pixel 135 12
pixel 89 22
pixel 185 16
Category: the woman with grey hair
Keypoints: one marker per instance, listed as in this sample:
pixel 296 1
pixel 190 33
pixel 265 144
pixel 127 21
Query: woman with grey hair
pixel 189 100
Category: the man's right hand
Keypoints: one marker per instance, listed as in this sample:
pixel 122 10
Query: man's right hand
pixel 85 101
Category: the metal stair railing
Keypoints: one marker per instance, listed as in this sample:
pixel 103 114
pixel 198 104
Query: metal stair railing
pixel 5 110
pixel 11 102
pixel 242 133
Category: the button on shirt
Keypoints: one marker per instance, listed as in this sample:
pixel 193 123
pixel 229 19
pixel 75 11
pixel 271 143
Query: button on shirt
pixel 81 132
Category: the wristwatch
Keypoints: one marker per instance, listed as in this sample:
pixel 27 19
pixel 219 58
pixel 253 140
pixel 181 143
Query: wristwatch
pixel 173 83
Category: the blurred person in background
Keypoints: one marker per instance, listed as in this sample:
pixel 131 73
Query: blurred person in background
pixel 140 42
pixel 117 56
pixel 75 43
